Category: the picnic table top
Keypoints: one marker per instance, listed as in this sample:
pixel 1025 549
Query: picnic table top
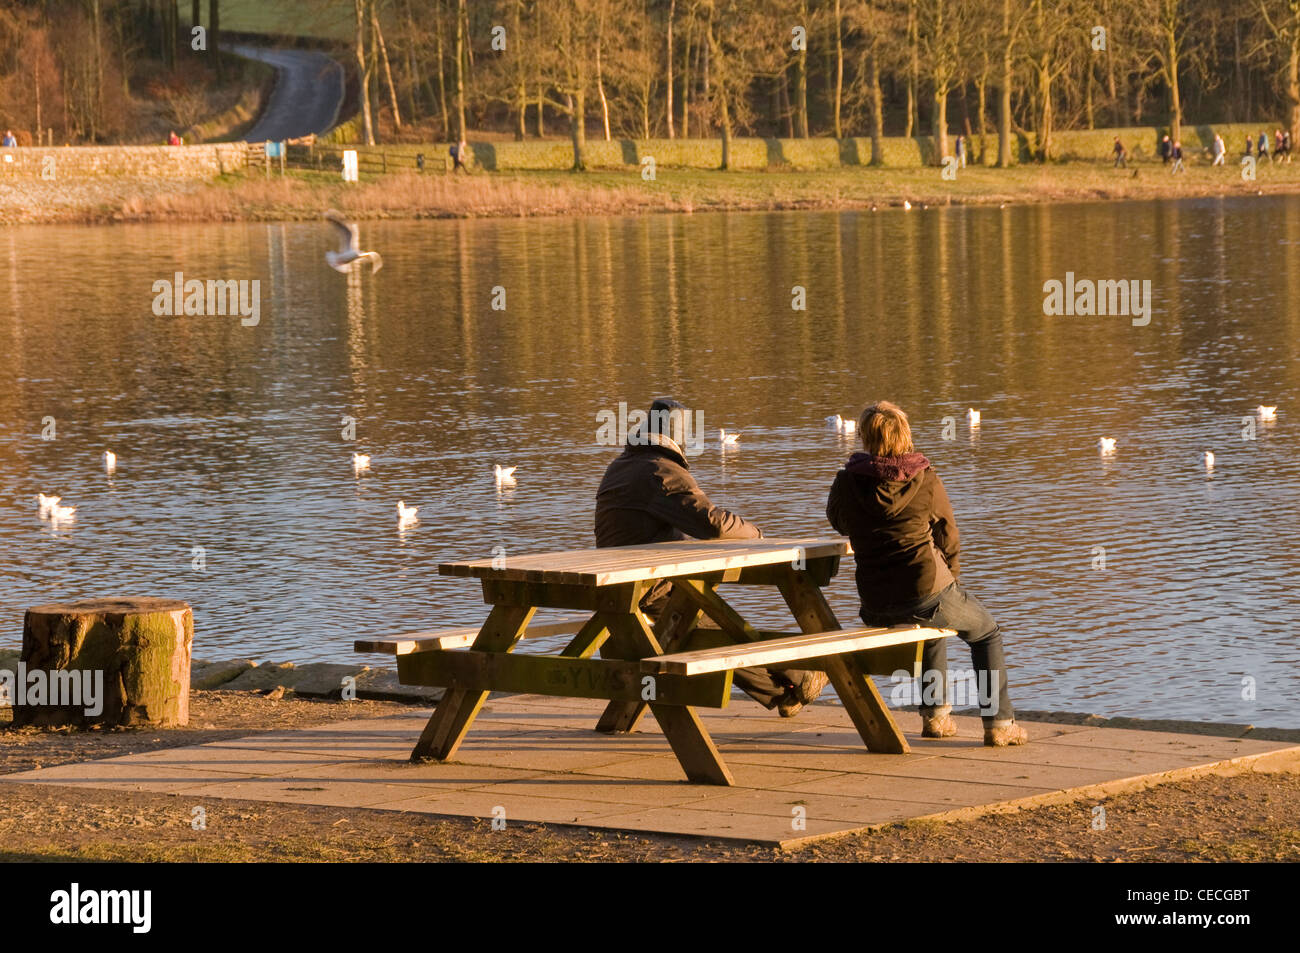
pixel 621 564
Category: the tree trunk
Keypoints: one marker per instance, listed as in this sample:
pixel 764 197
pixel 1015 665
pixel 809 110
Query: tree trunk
pixel 686 86
pixel 1004 90
pixel 1293 87
pixel 128 657
pixel 388 72
pixel 1044 109
pixel 913 70
pixel 839 71
pixel 521 90
pixel 460 71
pixel 442 85
pixel 363 74
pixel 982 95
pixel 877 110
pixel 541 123
pixel 786 109
pixel 939 124
pixel 1175 102
pixel 668 86
pixel 214 37
pixel 600 88
pixel 578 128
pixel 801 82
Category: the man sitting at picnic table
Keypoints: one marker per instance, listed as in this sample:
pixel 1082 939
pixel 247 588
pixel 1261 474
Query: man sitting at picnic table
pixel 648 495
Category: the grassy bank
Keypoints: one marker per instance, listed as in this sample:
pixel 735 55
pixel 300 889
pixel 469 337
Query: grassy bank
pixel 302 195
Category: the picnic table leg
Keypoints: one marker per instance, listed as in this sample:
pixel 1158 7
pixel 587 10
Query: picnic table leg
pixel 456 712
pixel 670 629
pixel 857 691
pixel 682 727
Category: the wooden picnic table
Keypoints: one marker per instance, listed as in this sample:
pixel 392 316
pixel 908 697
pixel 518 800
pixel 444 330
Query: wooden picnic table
pixel 679 663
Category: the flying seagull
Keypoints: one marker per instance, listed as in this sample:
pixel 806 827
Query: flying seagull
pixel 349 246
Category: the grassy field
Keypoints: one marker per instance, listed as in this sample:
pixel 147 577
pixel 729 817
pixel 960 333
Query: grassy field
pixel 524 194
pixel 324 19
pixel 303 195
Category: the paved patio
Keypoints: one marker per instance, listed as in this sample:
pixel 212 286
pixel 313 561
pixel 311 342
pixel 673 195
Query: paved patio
pixel 536 759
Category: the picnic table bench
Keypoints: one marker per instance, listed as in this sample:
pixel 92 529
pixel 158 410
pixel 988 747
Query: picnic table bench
pixel 682 661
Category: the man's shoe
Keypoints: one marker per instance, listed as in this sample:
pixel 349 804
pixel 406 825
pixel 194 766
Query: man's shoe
pixel 789 705
pixel 938 724
pixel 810 686
pixel 1002 734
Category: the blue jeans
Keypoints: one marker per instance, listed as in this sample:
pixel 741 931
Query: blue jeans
pixel 954 608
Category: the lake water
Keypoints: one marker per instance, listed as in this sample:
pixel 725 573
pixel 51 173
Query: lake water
pixel 229 437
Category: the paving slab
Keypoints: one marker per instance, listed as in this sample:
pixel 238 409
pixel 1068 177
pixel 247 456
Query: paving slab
pixel 539 760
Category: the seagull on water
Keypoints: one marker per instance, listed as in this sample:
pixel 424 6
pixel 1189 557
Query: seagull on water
pixel 504 475
pixel 841 424
pixel 349 246
pixel 406 514
pixel 58 512
pixel 110 461
pixel 47 503
pixel 1107 444
pixel 973 416
pixel 360 461
pixel 1209 460
pixel 1267 413
pixel 728 439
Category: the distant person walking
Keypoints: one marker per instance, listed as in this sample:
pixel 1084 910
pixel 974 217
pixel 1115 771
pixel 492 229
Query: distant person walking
pixel 1166 150
pixel 9 142
pixel 174 140
pixel 1262 145
pixel 961 151
pixel 458 151
pixel 1286 144
pixel 1278 154
pixel 1178 159
pixel 1121 154
pixel 1249 144
pixel 1220 150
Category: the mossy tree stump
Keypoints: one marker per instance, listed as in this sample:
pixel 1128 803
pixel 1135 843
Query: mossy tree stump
pixel 136 649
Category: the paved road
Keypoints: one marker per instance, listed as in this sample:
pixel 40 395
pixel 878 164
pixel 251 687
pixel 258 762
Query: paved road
pixel 307 97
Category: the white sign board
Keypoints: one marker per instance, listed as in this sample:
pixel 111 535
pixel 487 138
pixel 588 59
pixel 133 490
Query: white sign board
pixel 350 165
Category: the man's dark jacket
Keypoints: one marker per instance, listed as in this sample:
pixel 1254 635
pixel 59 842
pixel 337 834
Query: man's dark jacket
pixel 649 496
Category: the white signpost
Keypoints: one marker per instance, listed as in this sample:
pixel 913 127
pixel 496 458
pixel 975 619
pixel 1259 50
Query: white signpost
pixel 350 165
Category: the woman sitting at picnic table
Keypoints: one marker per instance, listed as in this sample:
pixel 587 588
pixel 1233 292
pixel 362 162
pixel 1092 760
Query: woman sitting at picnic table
pixel 893 507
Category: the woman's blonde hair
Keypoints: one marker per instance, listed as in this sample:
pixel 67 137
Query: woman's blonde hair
pixel 885 431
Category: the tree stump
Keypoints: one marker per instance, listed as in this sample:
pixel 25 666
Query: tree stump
pixel 128 658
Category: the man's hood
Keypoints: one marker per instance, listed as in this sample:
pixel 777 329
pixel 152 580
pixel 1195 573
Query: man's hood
pixel 886 484
pixel 639 442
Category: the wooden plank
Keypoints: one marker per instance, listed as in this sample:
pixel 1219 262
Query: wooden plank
pixel 682 727
pixel 791 648
pixel 857 691
pixel 461 637
pixel 620 598
pixel 674 623
pixel 456 712
pixel 717 609
pixel 589 638
pixel 613 679
pixel 621 564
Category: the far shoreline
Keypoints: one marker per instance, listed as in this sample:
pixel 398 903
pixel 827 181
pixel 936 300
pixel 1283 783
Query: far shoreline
pixel 303 195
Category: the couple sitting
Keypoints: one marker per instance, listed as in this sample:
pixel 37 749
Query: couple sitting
pixel 895 511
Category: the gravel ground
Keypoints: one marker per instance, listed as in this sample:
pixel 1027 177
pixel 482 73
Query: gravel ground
pixel 1250 817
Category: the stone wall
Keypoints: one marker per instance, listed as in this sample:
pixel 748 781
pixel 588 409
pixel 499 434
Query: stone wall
pixel 201 161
